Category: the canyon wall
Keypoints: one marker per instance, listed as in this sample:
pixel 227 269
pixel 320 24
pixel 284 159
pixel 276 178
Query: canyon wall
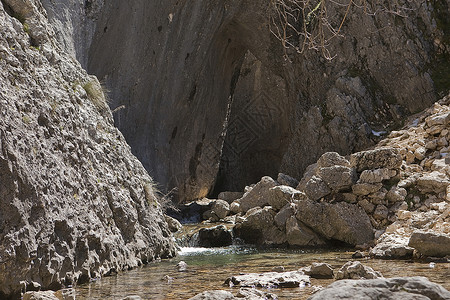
pixel 75 204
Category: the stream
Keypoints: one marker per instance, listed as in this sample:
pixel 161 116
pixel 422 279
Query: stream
pixel 209 267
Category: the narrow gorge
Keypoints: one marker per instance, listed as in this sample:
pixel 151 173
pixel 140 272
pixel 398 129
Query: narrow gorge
pixel 116 114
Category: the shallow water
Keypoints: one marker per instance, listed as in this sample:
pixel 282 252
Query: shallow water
pixel 208 269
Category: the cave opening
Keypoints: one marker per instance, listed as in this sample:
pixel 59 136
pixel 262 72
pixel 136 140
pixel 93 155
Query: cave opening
pixel 257 128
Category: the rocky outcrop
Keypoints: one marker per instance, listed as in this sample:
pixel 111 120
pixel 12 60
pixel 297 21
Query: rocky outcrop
pixel 74 202
pixel 389 288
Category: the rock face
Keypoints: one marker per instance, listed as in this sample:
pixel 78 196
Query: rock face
pixel 227 97
pixel 390 288
pixel 74 202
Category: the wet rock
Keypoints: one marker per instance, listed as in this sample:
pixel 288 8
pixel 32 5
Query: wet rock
pixel 430 243
pixel 174 224
pixel 258 195
pixel 278 269
pixel 220 208
pixel 375 159
pixel 182 266
pixel 281 195
pixel 214 295
pixel 270 280
pixel 338 178
pixel 320 271
pixel 254 294
pixel 316 188
pixel 217 236
pixel 284 179
pixel 385 288
pixel 358 254
pixel 340 221
pixel 46 295
pixel 391 246
pixel 298 234
pixel 258 227
pixel 356 270
pixel 230 196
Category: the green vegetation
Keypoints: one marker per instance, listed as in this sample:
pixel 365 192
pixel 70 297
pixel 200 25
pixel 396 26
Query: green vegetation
pixel 95 94
pixel 26 119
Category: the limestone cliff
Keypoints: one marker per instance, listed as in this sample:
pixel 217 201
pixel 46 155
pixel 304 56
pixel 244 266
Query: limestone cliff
pixel 74 202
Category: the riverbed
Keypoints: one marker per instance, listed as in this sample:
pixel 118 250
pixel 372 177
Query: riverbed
pixel 208 269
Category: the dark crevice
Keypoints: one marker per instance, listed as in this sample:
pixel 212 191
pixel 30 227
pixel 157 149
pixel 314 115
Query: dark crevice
pixel 12 13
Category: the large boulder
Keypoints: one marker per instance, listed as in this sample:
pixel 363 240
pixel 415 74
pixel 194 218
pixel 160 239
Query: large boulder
pixel 337 178
pixel 392 246
pixel 388 158
pixel 258 227
pixel 217 236
pixel 434 182
pixel 284 179
pixel 430 243
pixel 298 234
pixel 281 195
pixel 339 221
pixel 407 288
pixel 320 271
pixel 220 208
pixel 258 195
pixel 330 159
pixel 356 270
pixel 316 188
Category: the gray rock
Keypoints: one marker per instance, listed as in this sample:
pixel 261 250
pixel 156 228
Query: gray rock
pixel 230 196
pixel 214 295
pixel 330 159
pixel 217 236
pixel 284 214
pixel 337 178
pixel 254 294
pixel 407 288
pixel 434 182
pixel 182 266
pixel 298 234
pixel 74 201
pixel 281 195
pixel 174 224
pixel 390 246
pixel 235 207
pixel 376 176
pixel 258 227
pixel 396 194
pixel 375 159
pixel 270 280
pixel 316 188
pixel 340 221
pixel 220 208
pixel 363 189
pixel 381 212
pixel 430 243
pixel 132 297
pixel 356 270
pixel 258 195
pixel 284 179
pixel 320 271
pixel 309 173
pixel 46 295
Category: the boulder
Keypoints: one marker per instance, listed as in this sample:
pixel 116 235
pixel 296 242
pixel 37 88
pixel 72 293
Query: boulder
pixel 381 212
pixel 258 227
pixel 356 270
pixel 339 221
pixel 230 196
pixel 434 182
pixel 363 189
pixel 376 176
pixel 174 224
pixel 270 280
pixel 389 158
pixel 316 188
pixel 337 178
pixel 320 271
pixel 309 172
pixel 330 159
pixel 254 294
pixel 284 214
pixel 258 195
pixel 396 194
pixel 298 234
pixel 46 295
pixel 281 195
pixel 392 246
pixel 407 288
pixel 235 207
pixel 284 179
pixel 430 243
pixel 220 208
pixel 214 295
pixel 217 236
